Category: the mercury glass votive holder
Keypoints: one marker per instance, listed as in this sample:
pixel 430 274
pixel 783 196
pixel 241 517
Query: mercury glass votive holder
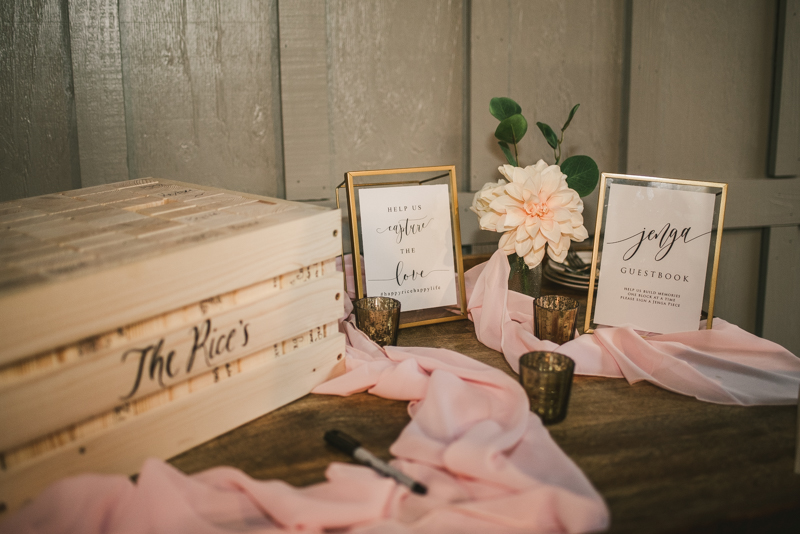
pixel 547 379
pixel 554 318
pixel 379 318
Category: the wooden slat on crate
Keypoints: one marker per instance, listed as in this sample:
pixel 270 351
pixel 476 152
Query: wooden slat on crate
pixel 86 349
pixel 114 265
pixel 180 424
pixel 84 428
pixel 107 377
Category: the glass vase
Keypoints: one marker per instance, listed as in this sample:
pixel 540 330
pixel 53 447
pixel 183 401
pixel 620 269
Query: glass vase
pixel 523 279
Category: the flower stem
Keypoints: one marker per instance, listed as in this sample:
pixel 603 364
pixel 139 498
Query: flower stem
pixel 526 282
pixel 558 156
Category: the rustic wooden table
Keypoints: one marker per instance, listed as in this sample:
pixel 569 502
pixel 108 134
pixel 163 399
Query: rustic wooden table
pixel 663 462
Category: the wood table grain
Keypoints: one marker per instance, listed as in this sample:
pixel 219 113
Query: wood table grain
pixel 663 462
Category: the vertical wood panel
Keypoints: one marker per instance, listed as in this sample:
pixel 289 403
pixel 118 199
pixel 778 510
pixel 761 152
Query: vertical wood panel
pixel 201 84
pixel 737 279
pixel 38 144
pixel 782 288
pixel 490 57
pixel 700 89
pixel 99 100
pixel 304 99
pixel 785 138
pixel 549 55
pixel 590 74
pixel 396 89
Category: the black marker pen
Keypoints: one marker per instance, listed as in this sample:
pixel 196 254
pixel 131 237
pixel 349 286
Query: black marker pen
pixel 348 445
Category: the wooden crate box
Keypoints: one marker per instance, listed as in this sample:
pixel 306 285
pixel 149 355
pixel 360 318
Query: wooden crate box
pixel 47 392
pixel 145 317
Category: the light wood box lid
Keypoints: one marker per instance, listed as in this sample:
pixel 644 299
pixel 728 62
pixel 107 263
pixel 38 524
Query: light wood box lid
pixel 81 262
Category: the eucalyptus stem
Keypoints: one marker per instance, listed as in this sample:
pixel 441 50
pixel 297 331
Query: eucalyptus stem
pixel 558 156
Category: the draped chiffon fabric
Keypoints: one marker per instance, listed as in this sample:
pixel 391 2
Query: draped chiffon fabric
pixel 723 365
pixel 488 462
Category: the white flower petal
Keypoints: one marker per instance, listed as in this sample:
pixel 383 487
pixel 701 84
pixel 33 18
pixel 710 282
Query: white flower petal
pixel 515 190
pixel 557 256
pixel 522 235
pixel 532 226
pixel 562 245
pixel 566 199
pixel 515 216
pixel 499 204
pixel 534 257
pixel 500 225
pixel 551 231
pixel 539 241
pixel 507 242
pixel 579 233
pixel 537 168
pixel 561 214
pixel 507 171
pixel 489 221
pixel 523 247
pixel 551 181
pixel 519 176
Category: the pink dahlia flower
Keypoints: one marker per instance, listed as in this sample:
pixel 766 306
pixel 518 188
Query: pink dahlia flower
pixel 535 208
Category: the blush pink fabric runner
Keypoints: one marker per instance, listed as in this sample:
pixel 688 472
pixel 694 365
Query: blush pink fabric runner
pixel 488 462
pixel 725 365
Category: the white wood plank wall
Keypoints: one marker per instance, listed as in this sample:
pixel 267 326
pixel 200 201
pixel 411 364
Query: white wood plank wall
pixel 282 97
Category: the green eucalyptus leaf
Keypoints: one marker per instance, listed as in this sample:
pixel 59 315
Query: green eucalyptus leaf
pixel 549 134
pixel 503 107
pixel 507 152
pixel 571 114
pixel 582 174
pixel 512 129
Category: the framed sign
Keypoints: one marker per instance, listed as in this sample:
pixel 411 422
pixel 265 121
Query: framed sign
pixel 404 226
pixel 659 240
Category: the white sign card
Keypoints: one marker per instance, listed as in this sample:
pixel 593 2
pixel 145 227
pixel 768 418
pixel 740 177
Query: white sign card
pixel 655 257
pixel 407 241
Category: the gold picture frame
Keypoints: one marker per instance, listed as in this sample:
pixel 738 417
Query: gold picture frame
pixel 445 174
pixel 720 190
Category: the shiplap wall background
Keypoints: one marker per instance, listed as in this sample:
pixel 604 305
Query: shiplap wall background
pixel 281 97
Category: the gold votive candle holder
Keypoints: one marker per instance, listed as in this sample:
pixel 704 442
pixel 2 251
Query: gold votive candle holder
pixel 554 318
pixel 379 318
pixel 547 379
